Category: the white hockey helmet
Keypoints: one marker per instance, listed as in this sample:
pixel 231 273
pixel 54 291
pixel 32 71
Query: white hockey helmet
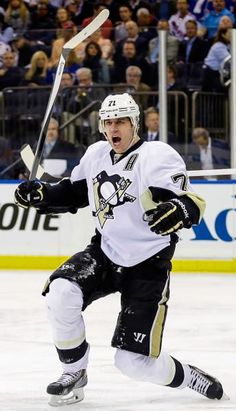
pixel 119 106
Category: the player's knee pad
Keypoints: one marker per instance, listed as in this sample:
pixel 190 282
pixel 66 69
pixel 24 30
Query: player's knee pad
pixel 64 296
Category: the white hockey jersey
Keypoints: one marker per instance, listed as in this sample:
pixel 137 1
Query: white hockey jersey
pixel 119 194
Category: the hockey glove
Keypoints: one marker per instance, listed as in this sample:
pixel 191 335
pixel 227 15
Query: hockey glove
pixel 168 217
pixel 30 193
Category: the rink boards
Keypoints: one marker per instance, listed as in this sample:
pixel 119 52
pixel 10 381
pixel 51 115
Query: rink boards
pixel 31 241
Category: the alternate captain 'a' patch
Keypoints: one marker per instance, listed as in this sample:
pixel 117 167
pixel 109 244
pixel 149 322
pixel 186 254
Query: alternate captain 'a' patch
pixel 109 192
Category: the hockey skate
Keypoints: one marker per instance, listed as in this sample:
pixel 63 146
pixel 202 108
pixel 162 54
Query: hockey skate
pixel 206 385
pixel 68 389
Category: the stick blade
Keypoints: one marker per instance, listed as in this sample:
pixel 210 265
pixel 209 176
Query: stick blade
pixel 27 157
pixel 88 30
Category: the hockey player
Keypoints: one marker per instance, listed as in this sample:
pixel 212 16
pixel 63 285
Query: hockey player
pixel 140 196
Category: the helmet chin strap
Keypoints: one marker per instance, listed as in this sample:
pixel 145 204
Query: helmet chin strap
pixel 132 141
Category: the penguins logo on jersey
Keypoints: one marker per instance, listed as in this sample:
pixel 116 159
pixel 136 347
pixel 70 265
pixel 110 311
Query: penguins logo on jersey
pixel 109 192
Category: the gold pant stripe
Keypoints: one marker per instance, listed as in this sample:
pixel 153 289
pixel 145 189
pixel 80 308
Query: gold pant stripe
pixel 158 323
pixel 157 330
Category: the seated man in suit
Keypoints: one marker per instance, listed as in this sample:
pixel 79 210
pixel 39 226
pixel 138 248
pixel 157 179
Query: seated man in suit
pixel 56 148
pixel 152 123
pixel 207 153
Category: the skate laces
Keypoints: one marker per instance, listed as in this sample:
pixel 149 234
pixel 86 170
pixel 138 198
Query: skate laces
pixel 68 377
pixel 198 382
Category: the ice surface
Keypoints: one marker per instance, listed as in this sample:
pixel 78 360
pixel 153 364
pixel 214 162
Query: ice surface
pixel 200 329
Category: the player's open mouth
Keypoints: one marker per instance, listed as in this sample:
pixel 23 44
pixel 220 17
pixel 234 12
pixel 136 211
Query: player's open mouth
pixel 116 140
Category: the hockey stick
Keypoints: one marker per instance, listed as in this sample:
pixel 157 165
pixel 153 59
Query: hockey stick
pixel 27 156
pixel 68 46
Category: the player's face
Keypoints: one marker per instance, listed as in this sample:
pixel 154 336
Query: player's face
pixel 119 133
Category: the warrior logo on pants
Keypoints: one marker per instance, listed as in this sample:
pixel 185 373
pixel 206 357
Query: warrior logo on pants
pixel 109 192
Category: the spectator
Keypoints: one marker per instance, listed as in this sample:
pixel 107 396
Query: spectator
pixel 127 58
pixel 3 49
pixel 65 92
pixel 56 148
pixel 229 4
pixel 152 123
pixel 52 8
pixel 67 79
pixel 172 45
pixel 17 16
pixel 213 61
pixel 66 34
pixel 164 9
pixel 72 64
pixel 37 73
pixel 42 26
pixel 94 61
pixel 207 153
pixel 105 45
pixel 178 21
pixel 10 74
pixel 146 23
pixel 125 14
pixel 192 52
pixel 6 31
pixel 63 21
pixel 84 79
pixel 226 21
pixel 79 10
pixel 211 21
pixel 173 83
pixel 122 60
pixel 106 27
pixel 193 49
pixel 137 4
pixel 86 93
pixel 133 78
pixel 23 49
pixel 140 41
pixel 112 5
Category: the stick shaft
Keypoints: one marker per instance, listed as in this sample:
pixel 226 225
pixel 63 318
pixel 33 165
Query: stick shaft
pixel 71 44
pixel 47 116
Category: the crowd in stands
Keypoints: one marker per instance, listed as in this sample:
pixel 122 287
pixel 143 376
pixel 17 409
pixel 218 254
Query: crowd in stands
pixel 124 52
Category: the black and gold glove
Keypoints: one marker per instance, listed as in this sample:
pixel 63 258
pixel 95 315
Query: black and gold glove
pixel 31 193
pixel 168 217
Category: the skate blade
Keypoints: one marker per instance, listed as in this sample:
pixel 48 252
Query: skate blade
pixel 74 396
pixel 225 396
